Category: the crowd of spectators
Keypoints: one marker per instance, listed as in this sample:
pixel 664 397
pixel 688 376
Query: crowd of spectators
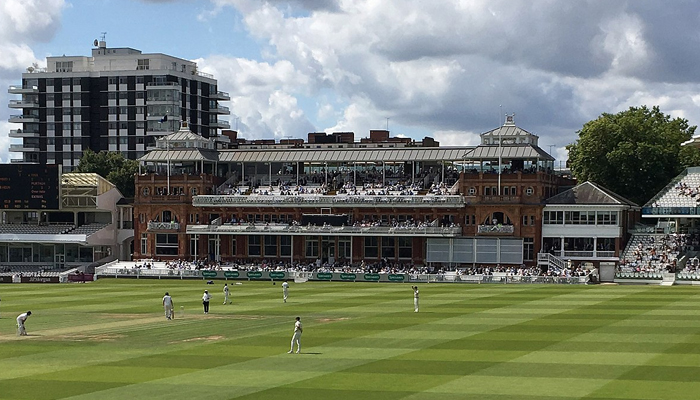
pixel 370 181
pixel 683 189
pixel 654 253
pixel 383 266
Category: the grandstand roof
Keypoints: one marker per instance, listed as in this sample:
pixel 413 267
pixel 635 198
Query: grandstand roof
pixel 313 155
pixel 181 155
pixel 518 152
pixel 74 180
pixel 589 193
pixel 507 130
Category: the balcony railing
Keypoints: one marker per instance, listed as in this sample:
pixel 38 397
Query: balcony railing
pixel 161 84
pixel 220 95
pixel 21 133
pixel 23 147
pixel 23 118
pixel 495 229
pixel 23 104
pixel 578 254
pixel 163 226
pixel 321 200
pixel 23 89
pixel 220 124
pixel 167 199
pixel 219 109
pixel 273 229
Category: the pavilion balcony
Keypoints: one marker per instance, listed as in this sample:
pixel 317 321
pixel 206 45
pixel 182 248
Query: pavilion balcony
pixel 163 226
pixel 433 201
pixel 494 199
pixel 496 230
pixel 173 199
pixel 297 230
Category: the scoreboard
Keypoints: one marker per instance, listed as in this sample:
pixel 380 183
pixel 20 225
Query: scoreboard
pixel 28 186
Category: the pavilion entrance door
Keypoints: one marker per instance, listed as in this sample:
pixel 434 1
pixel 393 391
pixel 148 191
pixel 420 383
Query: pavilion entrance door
pixel 328 249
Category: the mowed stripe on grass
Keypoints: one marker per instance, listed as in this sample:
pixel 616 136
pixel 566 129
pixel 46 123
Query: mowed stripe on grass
pixel 109 340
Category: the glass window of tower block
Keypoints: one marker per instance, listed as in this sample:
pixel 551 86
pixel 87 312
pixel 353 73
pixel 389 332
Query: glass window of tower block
pixel 143 64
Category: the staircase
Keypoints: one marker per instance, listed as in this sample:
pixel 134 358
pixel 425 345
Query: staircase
pixel 549 260
pixel 669 279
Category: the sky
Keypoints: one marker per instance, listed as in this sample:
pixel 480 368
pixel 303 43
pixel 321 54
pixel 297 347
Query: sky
pixel 448 69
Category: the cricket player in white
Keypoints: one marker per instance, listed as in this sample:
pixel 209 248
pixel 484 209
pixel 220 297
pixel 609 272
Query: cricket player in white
pixel 285 291
pixel 168 306
pixel 205 301
pixel 226 293
pixel 415 298
pixel 21 330
pixel 296 337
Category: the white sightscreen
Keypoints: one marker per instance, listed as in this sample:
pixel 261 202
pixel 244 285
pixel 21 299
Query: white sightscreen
pixel 479 250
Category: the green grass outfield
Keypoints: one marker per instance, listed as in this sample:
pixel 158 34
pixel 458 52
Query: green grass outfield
pixel 110 340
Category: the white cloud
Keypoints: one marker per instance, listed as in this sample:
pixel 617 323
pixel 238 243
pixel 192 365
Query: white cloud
pixel 5 141
pixel 446 65
pixel 22 23
pixel 261 95
pixel 457 138
pixel 29 20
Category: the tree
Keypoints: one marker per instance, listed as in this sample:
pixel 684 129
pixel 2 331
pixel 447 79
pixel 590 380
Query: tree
pixel 634 153
pixel 112 166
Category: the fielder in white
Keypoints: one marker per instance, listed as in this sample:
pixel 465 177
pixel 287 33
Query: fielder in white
pixel 227 291
pixel 285 291
pixel 21 330
pixel 296 337
pixel 205 301
pixel 415 298
pixel 168 306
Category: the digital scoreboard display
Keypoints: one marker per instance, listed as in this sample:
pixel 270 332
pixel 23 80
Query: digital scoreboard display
pixel 28 187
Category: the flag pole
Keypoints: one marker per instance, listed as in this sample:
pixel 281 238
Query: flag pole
pixel 500 150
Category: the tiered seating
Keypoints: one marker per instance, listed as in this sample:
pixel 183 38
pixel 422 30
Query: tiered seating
pixel 648 255
pixel 686 193
pixel 31 229
pixel 29 270
pixel 87 229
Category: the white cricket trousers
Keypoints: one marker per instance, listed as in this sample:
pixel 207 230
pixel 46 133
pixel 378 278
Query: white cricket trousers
pixel 296 339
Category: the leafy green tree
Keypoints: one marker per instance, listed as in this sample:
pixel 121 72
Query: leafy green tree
pixel 112 166
pixel 634 153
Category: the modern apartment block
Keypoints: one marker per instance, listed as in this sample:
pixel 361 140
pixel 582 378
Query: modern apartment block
pixel 117 99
